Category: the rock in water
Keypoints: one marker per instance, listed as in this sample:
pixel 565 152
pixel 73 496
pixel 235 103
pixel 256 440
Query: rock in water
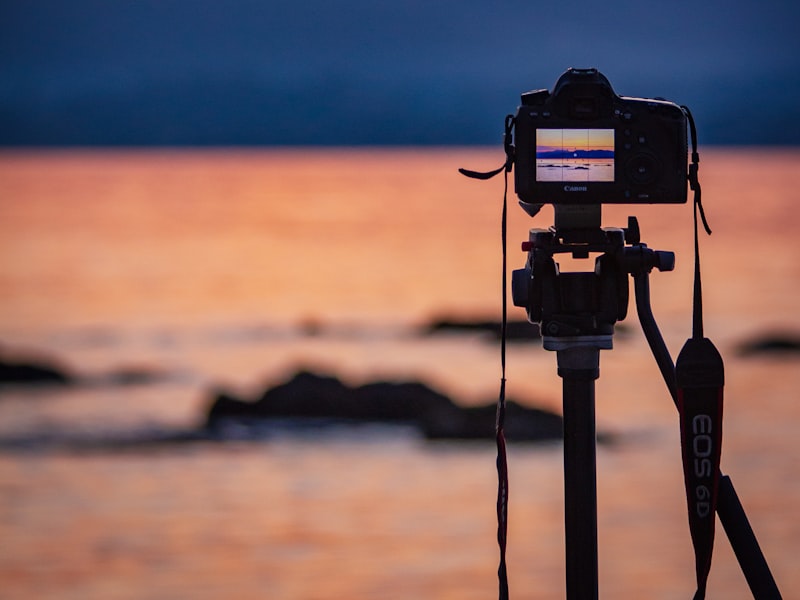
pixel 28 373
pixel 320 397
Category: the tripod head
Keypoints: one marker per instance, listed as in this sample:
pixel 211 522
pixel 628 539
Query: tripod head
pixel 575 304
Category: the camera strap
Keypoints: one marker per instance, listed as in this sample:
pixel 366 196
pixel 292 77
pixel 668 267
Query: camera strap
pixel 699 374
pixel 500 417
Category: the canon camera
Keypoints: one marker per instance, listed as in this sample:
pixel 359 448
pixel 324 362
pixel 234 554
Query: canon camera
pixel 583 144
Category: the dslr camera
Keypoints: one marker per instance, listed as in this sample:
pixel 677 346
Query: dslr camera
pixel 582 144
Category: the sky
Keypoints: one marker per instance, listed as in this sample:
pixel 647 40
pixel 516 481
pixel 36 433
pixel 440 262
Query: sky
pixel 354 72
pixel 572 139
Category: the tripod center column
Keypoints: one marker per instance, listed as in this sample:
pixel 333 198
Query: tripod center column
pixel 579 367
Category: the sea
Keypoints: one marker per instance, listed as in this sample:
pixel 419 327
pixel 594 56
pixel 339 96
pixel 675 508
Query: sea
pixel 578 169
pixel 159 277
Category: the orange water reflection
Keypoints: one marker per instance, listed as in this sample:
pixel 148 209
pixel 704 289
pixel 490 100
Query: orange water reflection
pixel 164 255
pixel 93 237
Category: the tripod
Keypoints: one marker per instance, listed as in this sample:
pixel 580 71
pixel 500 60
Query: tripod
pixel 576 313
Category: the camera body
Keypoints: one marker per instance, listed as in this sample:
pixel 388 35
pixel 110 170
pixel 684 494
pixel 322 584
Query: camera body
pixel 583 144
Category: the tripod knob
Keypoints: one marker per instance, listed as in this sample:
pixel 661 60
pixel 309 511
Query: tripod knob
pixel 664 260
pixel 632 234
pixel 640 258
pixel 520 287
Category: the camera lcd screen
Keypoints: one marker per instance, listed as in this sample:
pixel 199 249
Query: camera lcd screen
pixel 575 155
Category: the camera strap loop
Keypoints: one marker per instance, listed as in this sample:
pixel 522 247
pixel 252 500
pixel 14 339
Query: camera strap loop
pixel 694 167
pixel 500 436
pixel 509 148
pixel 500 417
pixel 700 374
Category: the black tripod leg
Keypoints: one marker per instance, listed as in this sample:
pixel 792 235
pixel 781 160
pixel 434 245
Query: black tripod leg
pixel 641 286
pixel 578 368
pixel 744 543
pixel 580 490
pixel 729 508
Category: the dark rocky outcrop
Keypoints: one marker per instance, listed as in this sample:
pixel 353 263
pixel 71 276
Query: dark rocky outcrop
pixel 771 344
pixel 45 372
pixel 516 330
pixel 319 397
pixel 32 373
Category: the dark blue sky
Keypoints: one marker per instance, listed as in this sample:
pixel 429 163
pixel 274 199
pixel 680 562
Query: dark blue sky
pixel 181 72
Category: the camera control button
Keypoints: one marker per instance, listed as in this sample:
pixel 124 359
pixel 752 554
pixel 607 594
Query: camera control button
pixel 642 169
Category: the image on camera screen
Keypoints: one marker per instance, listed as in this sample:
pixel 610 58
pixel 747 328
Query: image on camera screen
pixel 574 155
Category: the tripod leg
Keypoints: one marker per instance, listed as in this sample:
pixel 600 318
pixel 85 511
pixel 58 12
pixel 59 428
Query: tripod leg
pixel 578 369
pixel 744 543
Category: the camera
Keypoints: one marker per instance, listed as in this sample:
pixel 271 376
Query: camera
pixel 583 144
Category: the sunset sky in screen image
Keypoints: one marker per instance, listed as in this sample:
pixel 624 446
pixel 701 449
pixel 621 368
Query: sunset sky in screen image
pixel 550 140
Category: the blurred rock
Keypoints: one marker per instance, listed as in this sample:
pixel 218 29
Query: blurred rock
pixel 320 397
pixel 32 373
pixel 516 330
pixel 772 344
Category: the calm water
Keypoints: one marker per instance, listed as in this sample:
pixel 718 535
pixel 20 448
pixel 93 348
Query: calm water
pixel 231 269
pixel 579 169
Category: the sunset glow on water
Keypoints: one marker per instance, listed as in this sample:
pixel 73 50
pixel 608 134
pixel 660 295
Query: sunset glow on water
pixel 233 268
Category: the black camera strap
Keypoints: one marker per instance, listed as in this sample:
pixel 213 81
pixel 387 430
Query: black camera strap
pixel 699 374
pixel 500 436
